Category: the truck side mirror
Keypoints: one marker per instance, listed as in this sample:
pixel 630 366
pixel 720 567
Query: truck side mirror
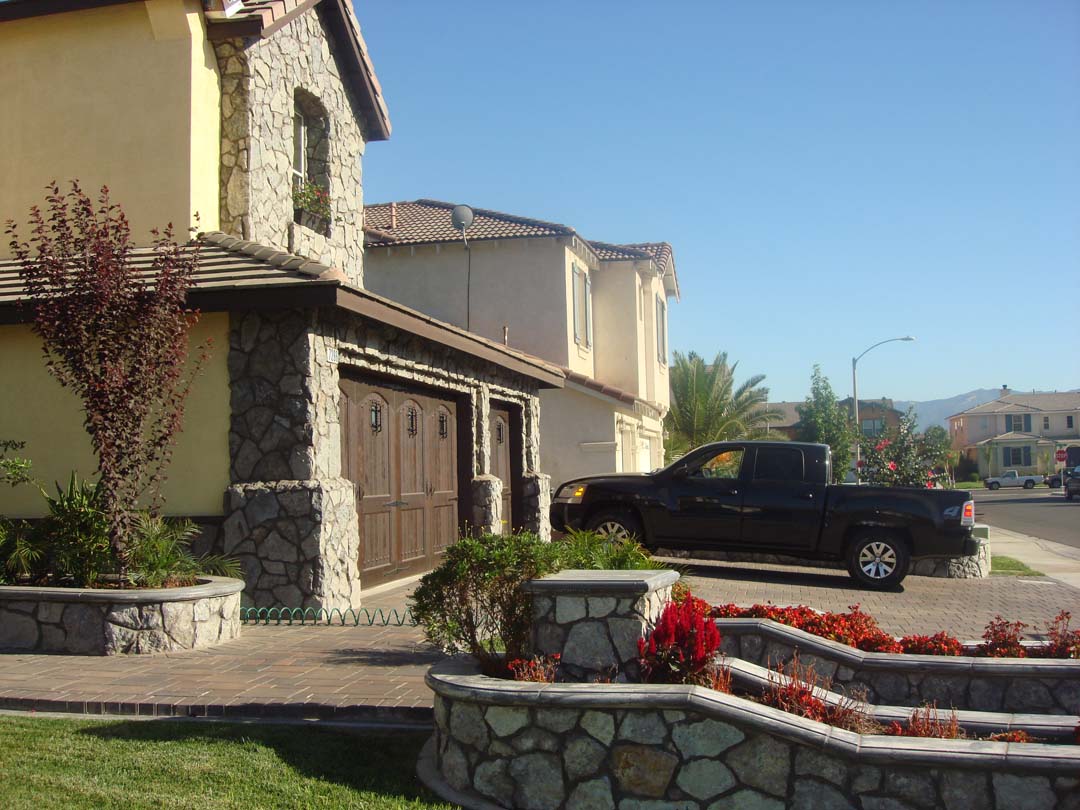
pixel 680 473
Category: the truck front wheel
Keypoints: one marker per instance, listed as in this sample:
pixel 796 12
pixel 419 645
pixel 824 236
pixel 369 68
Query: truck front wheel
pixel 616 524
pixel 1029 484
pixel 993 485
pixel 878 559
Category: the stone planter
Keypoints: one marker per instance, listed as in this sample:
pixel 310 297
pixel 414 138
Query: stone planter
pixel 314 222
pixel 87 621
pixel 572 746
pixel 1032 685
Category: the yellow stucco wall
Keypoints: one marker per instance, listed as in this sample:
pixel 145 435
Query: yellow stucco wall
pixel 126 96
pixel 36 410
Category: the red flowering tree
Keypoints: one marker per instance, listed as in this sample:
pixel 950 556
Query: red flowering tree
pixel 899 458
pixel 118 338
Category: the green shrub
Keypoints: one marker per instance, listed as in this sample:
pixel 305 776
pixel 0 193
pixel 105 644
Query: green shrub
pixel 161 555
pixel 74 538
pixel 473 601
pixel 579 549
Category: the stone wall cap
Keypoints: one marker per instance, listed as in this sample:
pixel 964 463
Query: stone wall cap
pixel 585 583
pixel 208 587
pixel 901 662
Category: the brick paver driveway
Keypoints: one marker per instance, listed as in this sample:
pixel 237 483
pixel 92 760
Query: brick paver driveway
pixel 923 605
pixel 375 673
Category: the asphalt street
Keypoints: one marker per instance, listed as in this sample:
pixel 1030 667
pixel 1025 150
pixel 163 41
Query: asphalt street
pixel 1038 512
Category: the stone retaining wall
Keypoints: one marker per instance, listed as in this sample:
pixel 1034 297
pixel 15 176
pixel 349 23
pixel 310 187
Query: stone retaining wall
pixel 1030 685
pixel 84 621
pixel 633 747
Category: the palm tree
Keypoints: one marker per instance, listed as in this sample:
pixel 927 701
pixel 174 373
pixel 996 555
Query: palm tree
pixel 707 406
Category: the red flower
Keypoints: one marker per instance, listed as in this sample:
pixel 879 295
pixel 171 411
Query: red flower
pixel 882 445
pixel 892 465
pixel 861 463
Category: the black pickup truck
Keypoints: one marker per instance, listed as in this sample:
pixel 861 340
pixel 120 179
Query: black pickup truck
pixel 772 497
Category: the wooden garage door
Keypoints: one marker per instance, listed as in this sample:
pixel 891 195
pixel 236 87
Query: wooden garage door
pixel 400 449
pixel 499 432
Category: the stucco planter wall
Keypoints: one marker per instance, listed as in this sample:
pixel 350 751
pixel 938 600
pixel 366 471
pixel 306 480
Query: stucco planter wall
pixel 85 621
pixel 645 747
pixel 1044 686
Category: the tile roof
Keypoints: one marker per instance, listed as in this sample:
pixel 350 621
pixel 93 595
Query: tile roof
pixel 231 265
pixel 1016 435
pixel 225 263
pixel 790 413
pixel 1028 403
pixel 428 221
pixel 424 222
pixel 601 388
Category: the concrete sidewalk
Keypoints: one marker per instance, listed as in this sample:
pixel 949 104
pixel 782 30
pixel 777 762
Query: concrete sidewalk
pixel 1054 559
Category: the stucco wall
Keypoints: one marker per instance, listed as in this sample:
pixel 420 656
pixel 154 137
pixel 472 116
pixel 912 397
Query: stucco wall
pixel 515 282
pixel 569 418
pixel 125 95
pixel 36 410
pixel 617 324
pixel 260 79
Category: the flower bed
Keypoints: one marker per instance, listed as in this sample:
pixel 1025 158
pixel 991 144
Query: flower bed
pixel 1001 639
pixel 92 621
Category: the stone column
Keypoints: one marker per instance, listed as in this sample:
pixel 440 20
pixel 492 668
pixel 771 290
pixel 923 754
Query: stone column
pixel 487 504
pixel 537 504
pixel 593 619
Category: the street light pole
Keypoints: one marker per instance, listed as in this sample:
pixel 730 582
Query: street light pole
pixel 855 395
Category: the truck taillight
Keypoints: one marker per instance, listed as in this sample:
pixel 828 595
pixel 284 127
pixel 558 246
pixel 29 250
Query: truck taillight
pixel 968 518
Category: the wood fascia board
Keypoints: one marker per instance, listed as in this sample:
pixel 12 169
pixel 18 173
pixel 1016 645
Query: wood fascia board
pixel 429 329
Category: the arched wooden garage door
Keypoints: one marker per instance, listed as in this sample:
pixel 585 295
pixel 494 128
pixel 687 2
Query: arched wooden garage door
pixel 400 448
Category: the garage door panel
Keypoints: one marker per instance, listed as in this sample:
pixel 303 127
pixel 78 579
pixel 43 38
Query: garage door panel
pixel 413 533
pixel 377 544
pixel 445 527
pixel 411 448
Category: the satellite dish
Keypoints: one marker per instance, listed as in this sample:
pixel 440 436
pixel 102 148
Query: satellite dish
pixel 461 217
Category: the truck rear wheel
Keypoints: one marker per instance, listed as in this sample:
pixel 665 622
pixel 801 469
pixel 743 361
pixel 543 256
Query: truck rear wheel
pixel 994 485
pixel 1029 484
pixel 878 559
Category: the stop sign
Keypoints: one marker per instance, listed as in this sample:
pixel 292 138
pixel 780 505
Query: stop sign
pixel 1060 455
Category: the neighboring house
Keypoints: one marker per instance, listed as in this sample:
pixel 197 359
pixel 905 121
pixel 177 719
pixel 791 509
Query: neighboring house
pixel 875 415
pixel 1019 432
pixel 336 439
pixel 788 422
pixel 597 310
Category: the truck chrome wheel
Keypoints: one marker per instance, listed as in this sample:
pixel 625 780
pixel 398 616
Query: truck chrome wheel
pixel 613 530
pixel 877 560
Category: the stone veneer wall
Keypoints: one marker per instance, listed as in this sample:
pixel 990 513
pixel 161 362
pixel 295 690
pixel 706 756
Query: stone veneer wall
pixel 83 621
pixel 259 80
pixel 593 620
pixel 978 684
pixel 632 747
pixel 291 516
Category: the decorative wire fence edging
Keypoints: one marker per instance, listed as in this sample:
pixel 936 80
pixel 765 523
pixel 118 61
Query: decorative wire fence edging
pixel 356 617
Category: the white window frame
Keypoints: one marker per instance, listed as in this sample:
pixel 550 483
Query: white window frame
pixel 1016 422
pixel 1046 423
pixel 574 273
pixel 661 330
pixel 299 173
pixel 588 310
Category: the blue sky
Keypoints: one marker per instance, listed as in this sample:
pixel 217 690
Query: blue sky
pixel 830 174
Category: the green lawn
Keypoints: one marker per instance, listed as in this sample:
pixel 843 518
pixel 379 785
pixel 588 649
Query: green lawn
pixel 46 763
pixel 1002 566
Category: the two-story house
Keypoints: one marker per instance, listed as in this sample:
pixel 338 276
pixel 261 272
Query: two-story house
pixel 1019 432
pixel 599 311
pixel 336 439
pixel 875 416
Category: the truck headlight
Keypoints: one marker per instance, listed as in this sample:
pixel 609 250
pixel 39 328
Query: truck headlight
pixel 571 493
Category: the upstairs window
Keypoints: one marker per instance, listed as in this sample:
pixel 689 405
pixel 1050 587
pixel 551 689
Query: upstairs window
pixel 310 172
pixel 582 285
pixel 1069 422
pixel 661 330
pixel 872 428
pixel 1015 422
pixel 1046 423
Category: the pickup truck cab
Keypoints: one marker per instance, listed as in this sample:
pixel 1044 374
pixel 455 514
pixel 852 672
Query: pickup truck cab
pixel 772 497
pixel 1010 478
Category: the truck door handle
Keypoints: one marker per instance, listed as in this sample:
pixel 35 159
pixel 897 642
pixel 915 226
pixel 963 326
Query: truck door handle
pixel 733 492
pixel 807 496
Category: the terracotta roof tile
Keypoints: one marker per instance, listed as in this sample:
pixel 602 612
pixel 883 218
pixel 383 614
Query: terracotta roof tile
pixel 428 221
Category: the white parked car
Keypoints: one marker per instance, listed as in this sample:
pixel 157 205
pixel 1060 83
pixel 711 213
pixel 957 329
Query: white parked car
pixel 1011 478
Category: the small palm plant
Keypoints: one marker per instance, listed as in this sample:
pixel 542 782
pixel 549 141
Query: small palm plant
pixel 162 555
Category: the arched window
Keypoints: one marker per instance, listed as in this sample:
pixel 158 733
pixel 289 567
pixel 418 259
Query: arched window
pixel 311 160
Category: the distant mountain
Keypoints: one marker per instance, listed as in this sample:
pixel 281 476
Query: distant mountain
pixel 938 411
